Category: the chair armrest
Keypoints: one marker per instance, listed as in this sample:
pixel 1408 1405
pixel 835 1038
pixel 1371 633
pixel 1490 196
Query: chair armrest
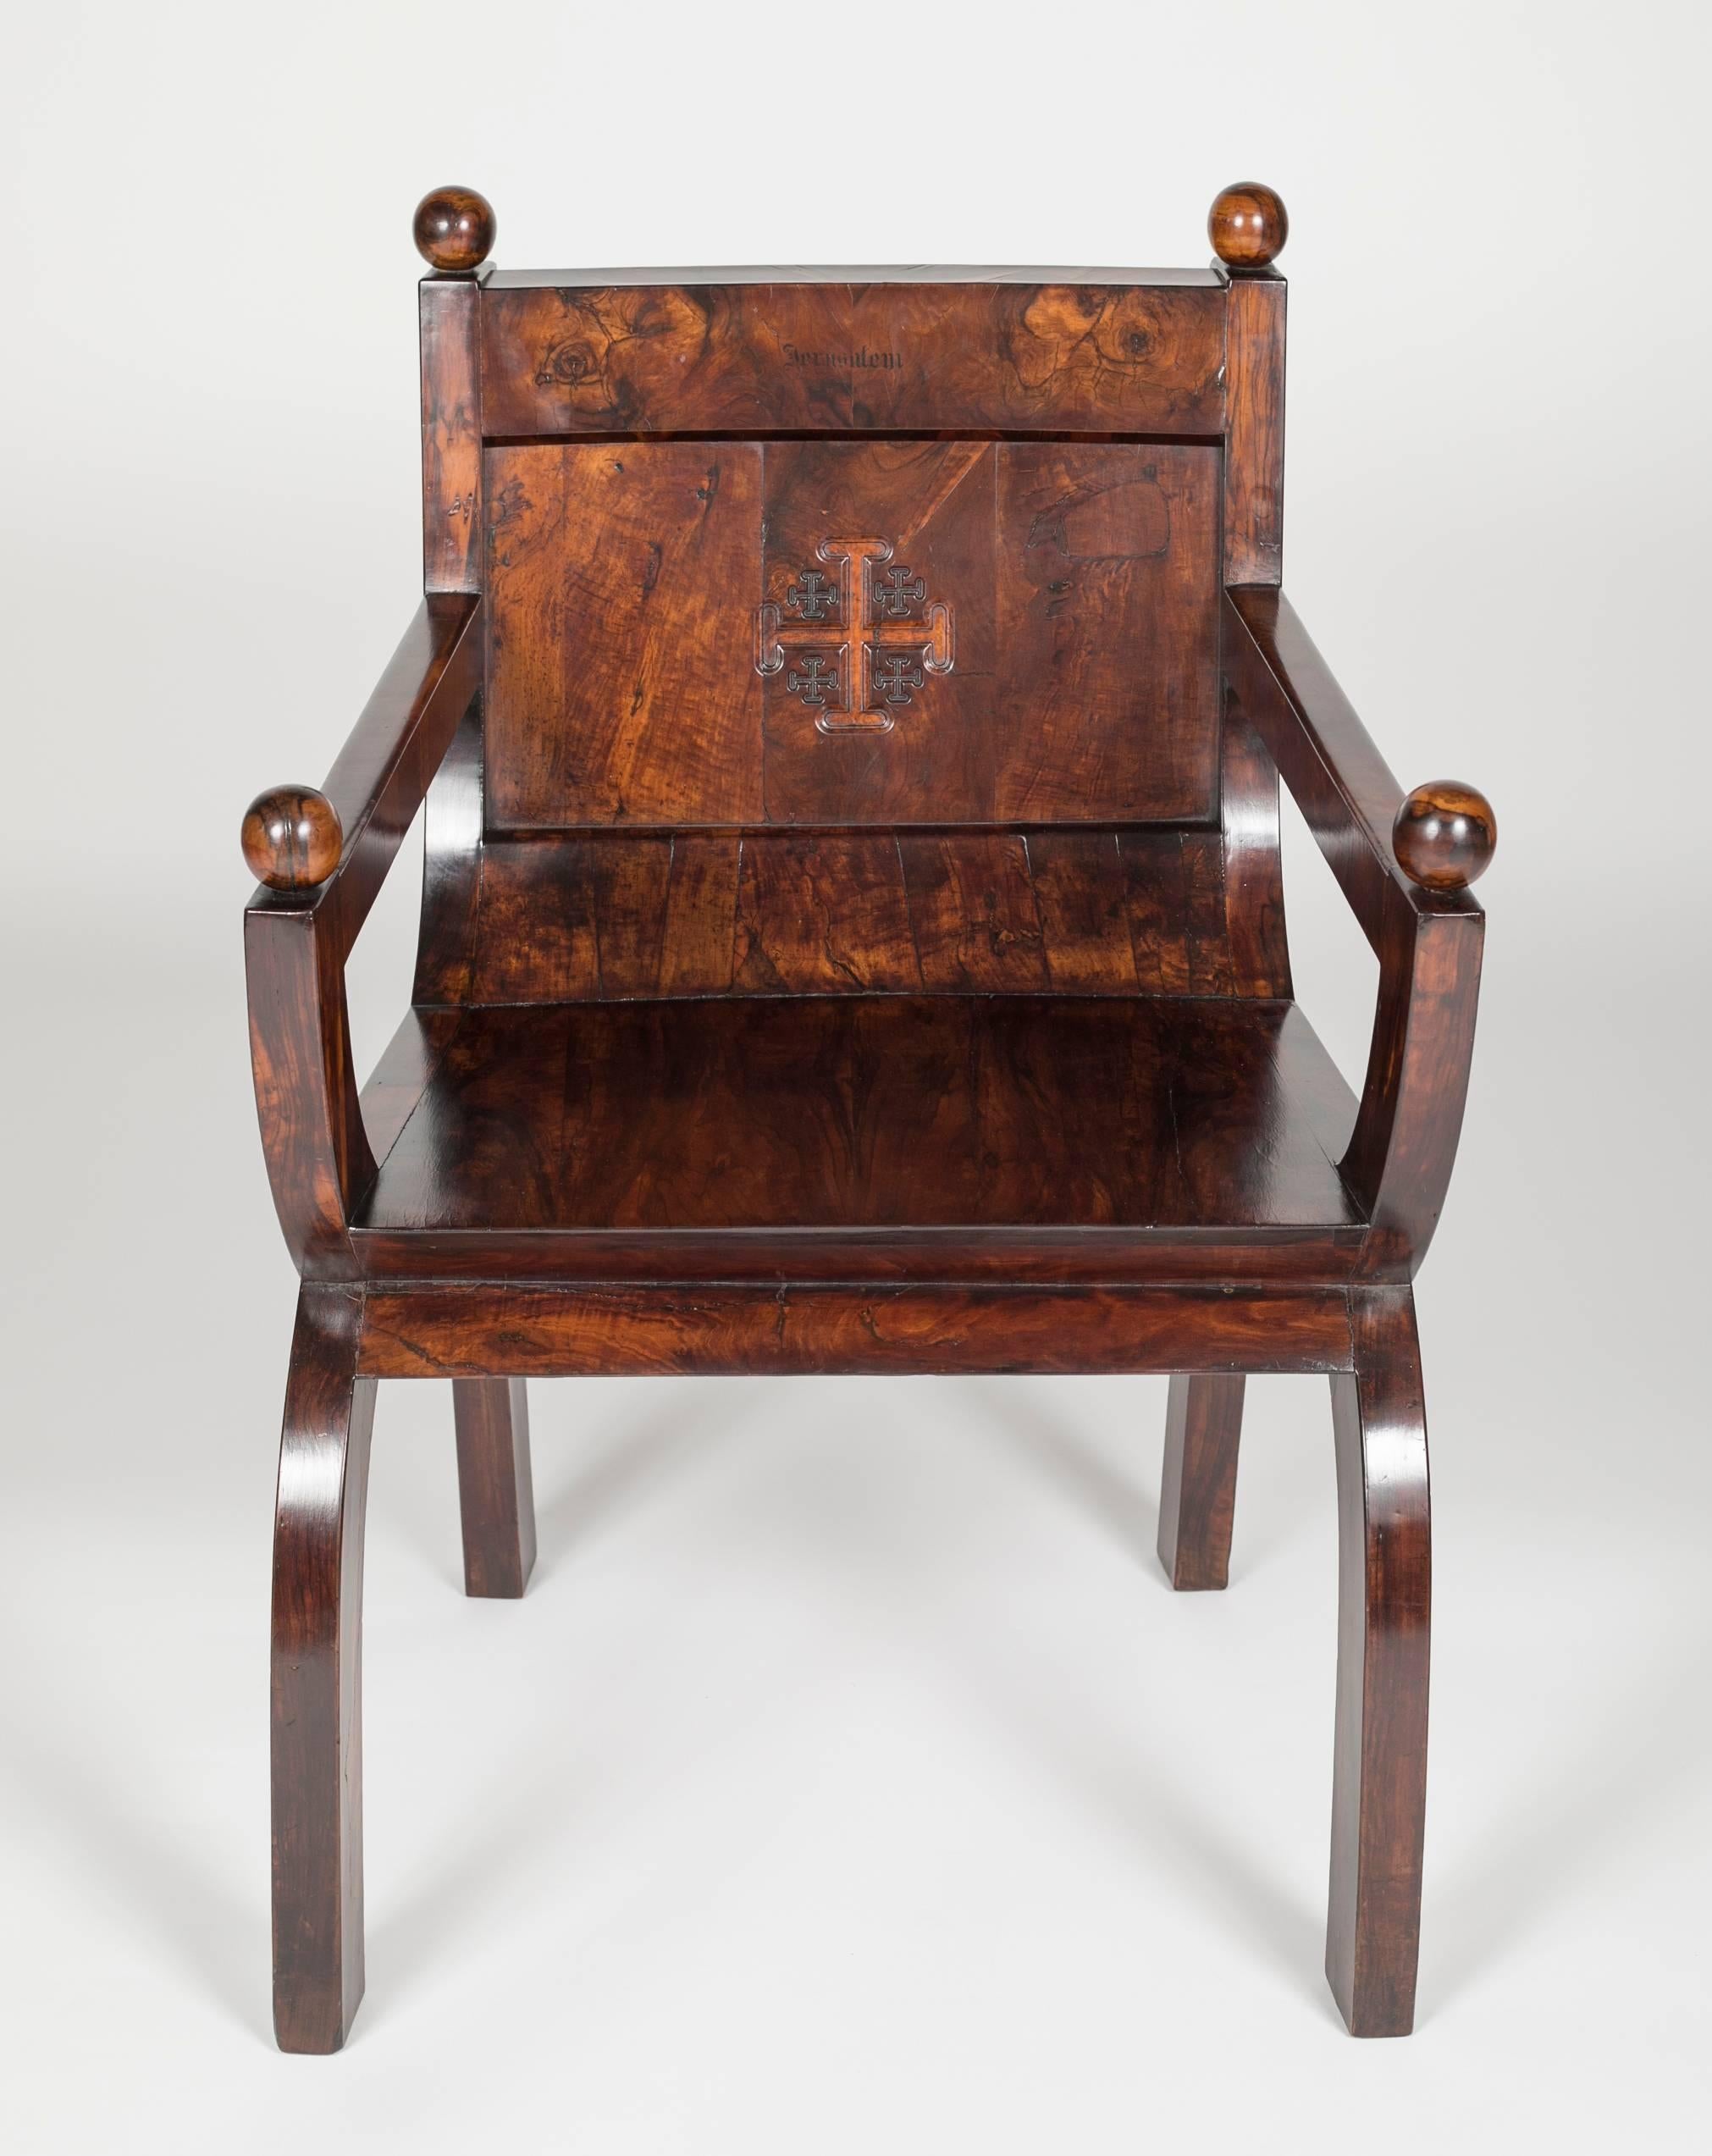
pixel 1399 1156
pixel 326 853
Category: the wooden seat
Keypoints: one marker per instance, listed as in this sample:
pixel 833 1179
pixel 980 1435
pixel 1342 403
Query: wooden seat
pixel 841 1137
pixel 849 708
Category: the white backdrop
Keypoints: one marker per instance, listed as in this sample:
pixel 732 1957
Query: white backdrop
pixel 849 1780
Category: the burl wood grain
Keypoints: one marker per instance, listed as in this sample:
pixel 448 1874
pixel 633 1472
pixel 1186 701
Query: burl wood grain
pixel 735 358
pixel 633 678
pixel 622 583
pixel 719 1329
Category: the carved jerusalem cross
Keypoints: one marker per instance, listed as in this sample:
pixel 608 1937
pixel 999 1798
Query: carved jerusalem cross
pixel 858 648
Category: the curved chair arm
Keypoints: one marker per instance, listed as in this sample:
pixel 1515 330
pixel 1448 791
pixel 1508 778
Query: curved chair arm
pixel 325 854
pixel 1428 939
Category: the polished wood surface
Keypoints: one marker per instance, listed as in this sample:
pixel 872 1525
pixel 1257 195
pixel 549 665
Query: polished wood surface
pixel 614 916
pixel 1254 440
pixel 1384 1618
pixel 317 1707
pixel 630 584
pixel 825 358
pixel 726 1329
pixel 1445 835
pixel 1197 1486
pixel 495 1485
pixel 454 229
pixel 1247 224
pixel 850 709
pixel 844 1114
pixel 454 529
pixel 291 837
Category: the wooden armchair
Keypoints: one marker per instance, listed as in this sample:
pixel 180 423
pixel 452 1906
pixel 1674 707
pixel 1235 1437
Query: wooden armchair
pixel 849 708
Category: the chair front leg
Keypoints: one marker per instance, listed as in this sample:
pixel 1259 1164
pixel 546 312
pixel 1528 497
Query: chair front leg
pixel 1384 1617
pixel 316 1685
pixel 1197 1489
pixel 495 1488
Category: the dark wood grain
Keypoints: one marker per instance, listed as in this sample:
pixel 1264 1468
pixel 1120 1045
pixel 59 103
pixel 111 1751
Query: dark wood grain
pixel 618 915
pixel 296 944
pixel 850 708
pixel 846 1113
pixel 496 1499
pixel 845 1331
pixel 1253 867
pixel 833 357
pixel 1384 1617
pixel 634 583
pixel 291 837
pixel 1197 1486
pixel 317 1716
pixel 453 229
pixel 1444 834
pixel 621 584
pixel 1247 224
pixel 453 527
pixel 1254 442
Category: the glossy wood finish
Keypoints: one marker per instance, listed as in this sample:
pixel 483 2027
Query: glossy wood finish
pixel 1197 1488
pixel 317 1678
pixel 625 586
pixel 845 1115
pixel 1254 442
pixel 826 357
pixel 1247 225
pixel 1445 835
pixel 454 528
pixel 495 1485
pixel 721 1330
pixel 851 708
pixel 1385 1613
pixel 454 229
pixel 296 944
pixel 1399 1159
pixel 291 837
pixel 617 915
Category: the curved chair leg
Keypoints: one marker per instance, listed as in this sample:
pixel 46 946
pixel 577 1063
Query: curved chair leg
pixel 317 1723
pixel 1384 1618
pixel 495 1491
pixel 1197 1490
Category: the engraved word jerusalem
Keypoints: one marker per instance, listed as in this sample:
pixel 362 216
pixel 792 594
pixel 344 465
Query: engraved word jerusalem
pixel 854 646
pixel 890 360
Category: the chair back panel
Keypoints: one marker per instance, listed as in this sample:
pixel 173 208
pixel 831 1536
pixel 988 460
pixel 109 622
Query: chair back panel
pixel 852 631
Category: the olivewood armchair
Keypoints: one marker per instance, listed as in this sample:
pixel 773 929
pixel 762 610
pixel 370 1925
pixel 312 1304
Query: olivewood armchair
pixel 849 707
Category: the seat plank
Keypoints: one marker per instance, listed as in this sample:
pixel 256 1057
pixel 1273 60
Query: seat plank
pixel 887 1132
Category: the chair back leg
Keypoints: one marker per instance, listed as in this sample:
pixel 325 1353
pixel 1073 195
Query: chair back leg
pixel 495 1490
pixel 1197 1487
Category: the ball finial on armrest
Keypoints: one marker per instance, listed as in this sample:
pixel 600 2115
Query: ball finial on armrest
pixel 454 230
pixel 1247 225
pixel 1445 835
pixel 292 838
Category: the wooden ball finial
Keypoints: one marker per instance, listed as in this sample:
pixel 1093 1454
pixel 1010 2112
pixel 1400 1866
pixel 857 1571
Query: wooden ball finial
pixel 1445 835
pixel 1248 225
pixel 292 838
pixel 454 230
